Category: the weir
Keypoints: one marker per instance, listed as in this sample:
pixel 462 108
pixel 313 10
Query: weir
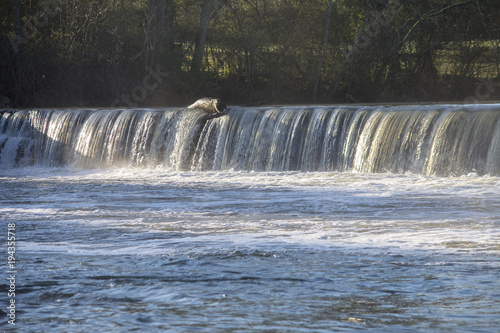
pixel 443 140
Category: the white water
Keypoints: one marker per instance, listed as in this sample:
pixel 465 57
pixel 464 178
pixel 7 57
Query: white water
pixel 203 234
pixel 432 140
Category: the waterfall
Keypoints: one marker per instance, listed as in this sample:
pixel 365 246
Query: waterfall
pixel 438 140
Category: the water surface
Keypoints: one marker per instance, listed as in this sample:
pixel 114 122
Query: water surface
pixel 136 249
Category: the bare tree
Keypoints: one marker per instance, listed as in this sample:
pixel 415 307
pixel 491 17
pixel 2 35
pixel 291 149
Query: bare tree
pixel 325 44
pixel 209 10
pixel 158 31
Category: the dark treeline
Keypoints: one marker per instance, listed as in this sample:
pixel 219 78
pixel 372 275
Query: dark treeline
pixel 56 53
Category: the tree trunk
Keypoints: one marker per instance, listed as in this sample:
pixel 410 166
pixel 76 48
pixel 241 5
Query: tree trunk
pixel 18 56
pixel 318 73
pixel 207 8
pixel 159 39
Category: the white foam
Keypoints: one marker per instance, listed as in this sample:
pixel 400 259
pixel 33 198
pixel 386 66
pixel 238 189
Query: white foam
pixel 308 209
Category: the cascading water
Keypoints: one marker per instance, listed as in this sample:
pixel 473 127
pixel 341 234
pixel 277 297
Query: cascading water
pixel 431 140
pixel 137 231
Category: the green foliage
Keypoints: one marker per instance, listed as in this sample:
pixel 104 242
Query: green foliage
pixel 91 53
